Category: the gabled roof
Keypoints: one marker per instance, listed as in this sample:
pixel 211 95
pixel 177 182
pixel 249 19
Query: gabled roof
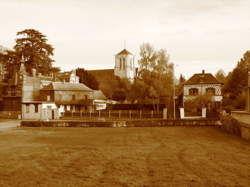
pixel 99 95
pixel 202 78
pixel 60 86
pixel 124 52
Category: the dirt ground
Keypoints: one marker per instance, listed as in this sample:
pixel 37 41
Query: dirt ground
pixel 147 157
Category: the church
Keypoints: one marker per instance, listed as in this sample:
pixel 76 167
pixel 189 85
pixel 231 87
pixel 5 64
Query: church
pixel 124 69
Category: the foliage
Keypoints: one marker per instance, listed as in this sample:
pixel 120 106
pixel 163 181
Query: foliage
pixel 235 84
pixel 181 79
pixel 31 47
pixel 87 78
pixel 11 63
pixel 154 84
pixel 198 102
pixel 221 76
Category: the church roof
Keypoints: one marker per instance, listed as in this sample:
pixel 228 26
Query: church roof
pixel 103 74
pixel 202 78
pixel 61 86
pixel 106 78
pixel 124 52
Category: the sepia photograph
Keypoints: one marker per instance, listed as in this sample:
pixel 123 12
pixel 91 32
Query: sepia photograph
pixel 134 93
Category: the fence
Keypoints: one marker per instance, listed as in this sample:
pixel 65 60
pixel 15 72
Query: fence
pixel 114 114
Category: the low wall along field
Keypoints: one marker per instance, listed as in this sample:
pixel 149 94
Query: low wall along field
pixel 121 123
pixel 234 126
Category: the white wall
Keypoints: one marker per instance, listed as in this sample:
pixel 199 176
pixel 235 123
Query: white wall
pixel 126 71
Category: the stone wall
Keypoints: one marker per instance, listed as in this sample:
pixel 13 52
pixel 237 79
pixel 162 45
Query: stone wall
pixel 234 124
pixel 10 114
pixel 128 123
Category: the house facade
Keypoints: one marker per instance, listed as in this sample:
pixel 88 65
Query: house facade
pixel 202 84
pixel 68 97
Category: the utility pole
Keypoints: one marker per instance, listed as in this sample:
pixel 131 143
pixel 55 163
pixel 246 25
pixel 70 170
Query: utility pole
pixel 174 91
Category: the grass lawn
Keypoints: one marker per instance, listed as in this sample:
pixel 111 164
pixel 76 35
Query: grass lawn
pixel 146 157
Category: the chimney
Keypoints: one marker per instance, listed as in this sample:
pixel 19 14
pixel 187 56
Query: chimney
pixel 203 71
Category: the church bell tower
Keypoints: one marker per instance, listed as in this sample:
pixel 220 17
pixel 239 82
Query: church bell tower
pixel 124 65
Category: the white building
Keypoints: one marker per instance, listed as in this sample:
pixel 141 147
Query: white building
pixel 124 65
pixel 202 84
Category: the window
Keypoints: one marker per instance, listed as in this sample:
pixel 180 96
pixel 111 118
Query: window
pixel 193 91
pixel 73 97
pixel 86 97
pixel 210 91
pixel 36 108
pixel 27 108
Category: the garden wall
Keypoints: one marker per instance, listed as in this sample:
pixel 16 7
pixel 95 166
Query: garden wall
pixel 121 123
pixel 233 124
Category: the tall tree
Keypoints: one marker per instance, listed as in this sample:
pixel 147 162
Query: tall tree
pixel 221 76
pixel 236 82
pixel 154 83
pixel 148 56
pixel 33 47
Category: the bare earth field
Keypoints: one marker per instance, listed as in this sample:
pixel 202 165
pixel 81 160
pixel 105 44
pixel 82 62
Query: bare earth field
pixel 147 157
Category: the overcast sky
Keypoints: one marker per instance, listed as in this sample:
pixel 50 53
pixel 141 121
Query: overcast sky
pixel 197 34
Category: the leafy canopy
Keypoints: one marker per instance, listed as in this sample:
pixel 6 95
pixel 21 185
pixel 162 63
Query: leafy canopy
pixel 33 47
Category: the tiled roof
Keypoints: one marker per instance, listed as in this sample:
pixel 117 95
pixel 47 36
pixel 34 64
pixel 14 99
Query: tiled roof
pixel 106 78
pixel 124 52
pixel 202 78
pixel 102 74
pixel 99 95
pixel 60 86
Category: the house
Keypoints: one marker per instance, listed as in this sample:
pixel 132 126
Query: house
pixel 73 97
pixel 203 84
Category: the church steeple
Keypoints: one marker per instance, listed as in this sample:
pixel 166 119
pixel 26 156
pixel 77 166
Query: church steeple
pixel 124 64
